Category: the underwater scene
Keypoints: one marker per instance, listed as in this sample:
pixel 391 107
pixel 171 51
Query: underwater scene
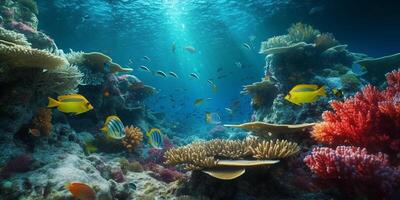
pixel 199 100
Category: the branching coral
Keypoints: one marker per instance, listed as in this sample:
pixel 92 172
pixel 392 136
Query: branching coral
pixel 201 155
pixel 133 138
pixel 13 37
pixel 354 167
pixel 300 32
pixel 15 56
pixel 42 121
pixel 369 119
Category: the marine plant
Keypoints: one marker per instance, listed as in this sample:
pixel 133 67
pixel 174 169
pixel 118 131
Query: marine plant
pixel 42 121
pixel 370 119
pixel 300 32
pixel 133 138
pixel 203 155
pixel 354 169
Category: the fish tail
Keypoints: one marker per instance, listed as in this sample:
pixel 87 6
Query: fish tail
pixel 321 91
pixel 53 103
pixel 104 129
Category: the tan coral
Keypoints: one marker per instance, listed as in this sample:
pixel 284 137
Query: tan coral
pixel 264 128
pixel 274 149
pixel 133 138
pixel 96 61
pixel 300 32
pixel 42 121
pixel 13 37
pixel 14 56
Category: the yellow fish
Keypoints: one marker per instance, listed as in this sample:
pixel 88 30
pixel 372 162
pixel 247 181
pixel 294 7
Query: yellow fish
pixel 156 139
pixel 71 103
pixel 198 102
pixel 114 128
pixel 305 93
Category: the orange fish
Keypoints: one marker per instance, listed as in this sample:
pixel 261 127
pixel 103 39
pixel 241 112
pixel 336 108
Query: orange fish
pixel 35 132
pixel 81 191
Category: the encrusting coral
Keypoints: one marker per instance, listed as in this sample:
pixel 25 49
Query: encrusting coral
pixel 206 155
pixel 42 121
pixel 133 138
pixel 370 119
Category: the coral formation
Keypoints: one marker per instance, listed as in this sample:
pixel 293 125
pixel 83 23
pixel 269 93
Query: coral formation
pixel 300 32
pixel 42 121
pixel 133 138
pixel 13 37
pixel 203 155
pixel 353 168
pixel 369 119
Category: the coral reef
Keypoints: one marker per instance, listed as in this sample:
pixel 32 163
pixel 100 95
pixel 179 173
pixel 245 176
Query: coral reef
pixel 133 138
pixel 352 168
pixel 369 119
pixel 13 37
pixel 42 121
pixel 300 32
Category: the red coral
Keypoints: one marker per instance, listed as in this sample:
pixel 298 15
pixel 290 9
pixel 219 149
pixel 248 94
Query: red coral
pixel 354 168
pixel 370 119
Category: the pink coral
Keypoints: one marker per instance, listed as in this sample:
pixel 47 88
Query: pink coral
pixel 354 168
pixel 370 119
pixel 22 27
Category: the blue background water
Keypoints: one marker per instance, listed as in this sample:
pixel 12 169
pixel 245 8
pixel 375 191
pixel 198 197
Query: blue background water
pixel 131 29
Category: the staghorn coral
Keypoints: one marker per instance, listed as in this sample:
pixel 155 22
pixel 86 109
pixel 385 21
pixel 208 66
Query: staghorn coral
pixel 274 149
pixel 354 169
pixel 133 138
pixel 369 119
pixel 61 80
pixel 42 121
pixel 15 56
pixel 13 37
pixel 201 155
pixel 300 32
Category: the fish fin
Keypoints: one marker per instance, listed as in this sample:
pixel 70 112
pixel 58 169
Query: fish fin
pixel 321 91
pixel 104 129
pixel 53 103
pixel 67 96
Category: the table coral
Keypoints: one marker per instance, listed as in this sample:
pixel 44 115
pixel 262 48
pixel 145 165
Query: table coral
pixel 369 119
pixel 133 138
pixel 354 167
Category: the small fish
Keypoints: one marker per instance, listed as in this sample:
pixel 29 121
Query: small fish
pixel 358 70
pixel 84 18
pixel 305 93
pixel 337 92
pixel 228 110
pixel 247 46
pixel 155 138
pixel 144 68
pixel 72 103
pixel 213 118
pixel 130 61
pixel 238 64
pixel 198 102
pixel 173 48
pixel 190 49
pixel 113 128
pixel 194 75
pixel 90 148
pixel 81 191
pixel 213 86
pixel 209 99
pixel 173 74
pixel 147 58
pixel 161 73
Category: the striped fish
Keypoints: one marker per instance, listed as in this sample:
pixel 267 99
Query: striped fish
pixel 114 128
pixel 155 138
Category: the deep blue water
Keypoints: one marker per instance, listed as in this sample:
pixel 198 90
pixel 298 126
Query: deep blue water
pixel 131 29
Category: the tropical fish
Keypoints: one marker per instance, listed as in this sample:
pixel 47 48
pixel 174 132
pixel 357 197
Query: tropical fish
pixel 337 92
pixel 213 118
pixel 247 46
pixel 146 58
pixel 238 64
pixel 130 61
pixel 358 70
pixel 228 110
pixel 81 191
pixel 72 103
pixel 190 49
pixel 90 147
pixel 161 73
pixel 173 48
pixel 84 18
pixel 114 128
pixel 194 75
pixel 198 102
pixel 173 74
pixel 144 68
pixel 213 86
pixel 305 93
pixel 155 138
pixel 34 132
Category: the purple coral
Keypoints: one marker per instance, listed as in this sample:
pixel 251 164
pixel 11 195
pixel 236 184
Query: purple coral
pixel 21 27
pixel 117 174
